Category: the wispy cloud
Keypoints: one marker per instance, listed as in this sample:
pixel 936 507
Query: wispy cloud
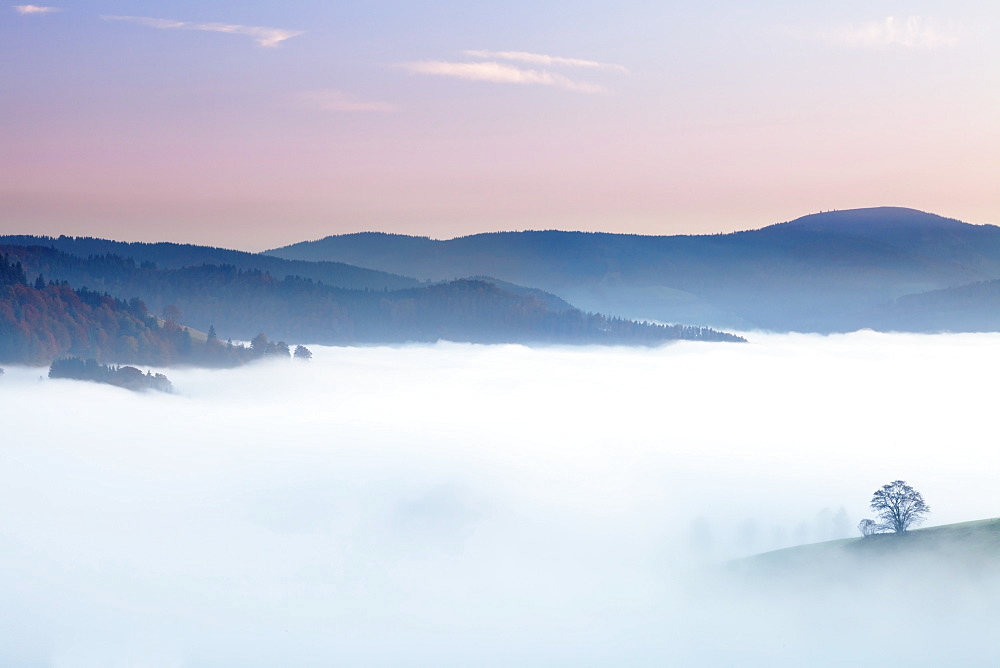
pixel 487 67
pixel 543 59
pixel 268 37
pixel 500 73
pixel 338 100
pixel 35 9
pixel 912 32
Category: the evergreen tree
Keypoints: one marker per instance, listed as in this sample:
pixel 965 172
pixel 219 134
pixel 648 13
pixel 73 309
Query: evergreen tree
pixel 11 273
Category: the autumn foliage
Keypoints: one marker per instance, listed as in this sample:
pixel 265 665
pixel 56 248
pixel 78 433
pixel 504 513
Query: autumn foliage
pixel 42 322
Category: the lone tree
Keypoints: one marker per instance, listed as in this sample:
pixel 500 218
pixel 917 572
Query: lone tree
pixel 899 506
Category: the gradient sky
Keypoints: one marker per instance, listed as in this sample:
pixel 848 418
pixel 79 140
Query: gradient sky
pixel 253 125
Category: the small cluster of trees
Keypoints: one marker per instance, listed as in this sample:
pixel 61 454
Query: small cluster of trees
pixel 127 377
pixel 898 507
pixel 261 347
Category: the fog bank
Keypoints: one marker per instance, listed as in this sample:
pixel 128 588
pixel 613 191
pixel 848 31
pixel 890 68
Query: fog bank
pixel 485 505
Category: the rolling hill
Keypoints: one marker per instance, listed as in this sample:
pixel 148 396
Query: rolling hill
pixel 240 303
pixel 175 256
pixel 968 548
pixel 823 272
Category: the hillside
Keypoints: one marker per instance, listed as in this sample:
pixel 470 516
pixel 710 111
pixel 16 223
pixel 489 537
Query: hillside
pixel 176 256
pixel 967 548
pixel 967 308
pixel 924 598
pixel 41 322
pixel 823 272
pixel 241 303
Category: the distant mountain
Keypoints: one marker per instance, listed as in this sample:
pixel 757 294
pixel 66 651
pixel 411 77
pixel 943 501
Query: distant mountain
pixel 176 256
pixel 967 308
pixel 240 303
pixel 551 301
pixel 823 272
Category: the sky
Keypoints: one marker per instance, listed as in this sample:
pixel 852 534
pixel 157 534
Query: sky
pixel 255 125
pixel 456 505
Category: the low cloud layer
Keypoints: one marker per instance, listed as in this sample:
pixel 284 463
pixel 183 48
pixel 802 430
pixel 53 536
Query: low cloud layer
pixel 490 505
pixel 266 37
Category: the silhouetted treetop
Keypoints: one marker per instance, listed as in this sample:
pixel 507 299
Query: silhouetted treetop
pixel 899 506
pixel 127 377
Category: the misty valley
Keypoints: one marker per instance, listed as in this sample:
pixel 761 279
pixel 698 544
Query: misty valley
pixel 521 448
pixel 486 334
pixel 422 504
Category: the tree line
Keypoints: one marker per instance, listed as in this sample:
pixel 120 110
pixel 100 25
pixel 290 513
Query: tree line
pixel 43 321
pixel 127 377
pixel 246 301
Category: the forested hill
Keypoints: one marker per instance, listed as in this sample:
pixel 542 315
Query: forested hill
pixel 174 256
pixel 967 308
pixel 240 303
pixel 42 321
pixel 822 272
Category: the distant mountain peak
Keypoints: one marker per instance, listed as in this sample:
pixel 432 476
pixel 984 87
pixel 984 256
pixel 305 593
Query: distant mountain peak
pixel 376 233
pixel 872 219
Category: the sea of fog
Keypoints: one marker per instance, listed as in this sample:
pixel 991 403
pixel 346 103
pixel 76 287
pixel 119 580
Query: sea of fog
pixel 466 505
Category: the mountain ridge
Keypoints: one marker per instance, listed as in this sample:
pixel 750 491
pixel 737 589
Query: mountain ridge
pixel 822 272
pixel 170 255
pixel 242 303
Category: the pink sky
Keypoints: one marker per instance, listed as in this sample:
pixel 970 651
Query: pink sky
pixel 262 128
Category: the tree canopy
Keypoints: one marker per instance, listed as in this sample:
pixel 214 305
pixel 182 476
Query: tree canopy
pixel 899 506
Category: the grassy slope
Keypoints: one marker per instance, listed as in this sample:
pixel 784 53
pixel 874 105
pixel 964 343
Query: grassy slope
pixel 924 598
pixel 967 547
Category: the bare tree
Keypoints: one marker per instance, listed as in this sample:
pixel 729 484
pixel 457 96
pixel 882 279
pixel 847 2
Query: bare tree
pixel 899 506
